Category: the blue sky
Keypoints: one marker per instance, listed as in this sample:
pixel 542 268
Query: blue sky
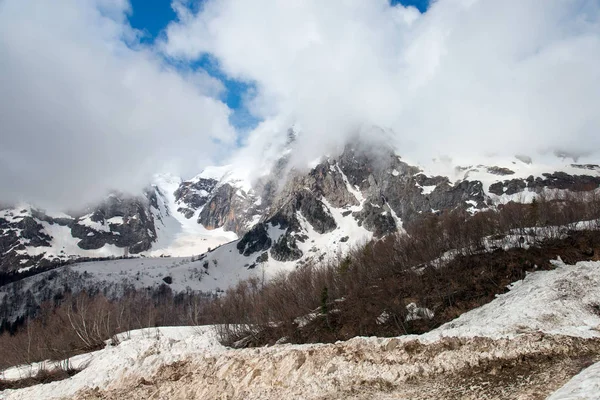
pixel 420 4
pixel 152 16
pixel 513 91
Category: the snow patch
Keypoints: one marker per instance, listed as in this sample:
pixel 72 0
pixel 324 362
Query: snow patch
pixel 427 189
pixel 584 386
pixel 555 302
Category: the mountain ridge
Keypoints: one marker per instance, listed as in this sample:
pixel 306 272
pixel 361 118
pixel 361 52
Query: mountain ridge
pixel 365 191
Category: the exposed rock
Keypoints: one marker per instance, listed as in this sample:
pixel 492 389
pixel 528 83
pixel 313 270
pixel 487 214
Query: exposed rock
pixel 137 232
pixel 591 167
pixel 376 219
pixel 187 212
pixel 263 258
pixel 562 180
pixel 285 249
pixel 255 240
pixel 131 227
pixel 515 186
pixel 310 207
pixel 365 164
pixel 409 202
pixel 500 171
pixel 400 190
pixel 229 208
pixel 424 180
pixel 315 212
pixel 556 180
pixel 329 182
pixel 497 188
pixel 194 194
pixel 41 216
pixel 33 232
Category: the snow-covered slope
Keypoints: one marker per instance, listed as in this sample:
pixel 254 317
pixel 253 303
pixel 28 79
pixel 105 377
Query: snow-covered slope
pixel 242 222
pixel 515 342
pixel 148 225
pixel 177 235
pixel 561 301
pixel 143 351
pixel 584 386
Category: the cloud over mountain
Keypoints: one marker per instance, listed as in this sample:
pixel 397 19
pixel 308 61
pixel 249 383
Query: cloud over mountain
pixel 85 108
pixel 88 106
pixel 467 76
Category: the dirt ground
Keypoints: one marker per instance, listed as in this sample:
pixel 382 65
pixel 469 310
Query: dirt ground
pixel 530 366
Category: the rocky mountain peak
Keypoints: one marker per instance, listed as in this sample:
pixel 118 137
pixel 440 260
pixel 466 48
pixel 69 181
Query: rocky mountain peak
pixel 289 214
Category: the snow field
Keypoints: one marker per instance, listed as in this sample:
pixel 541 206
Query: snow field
pixel 557 302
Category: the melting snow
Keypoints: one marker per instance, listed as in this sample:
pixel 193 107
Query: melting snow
pixel 427 189
pixel 556 301
pixel 584 386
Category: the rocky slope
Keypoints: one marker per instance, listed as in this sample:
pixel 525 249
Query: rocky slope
pixel 119 225
pixel 369 191
pixel 286 215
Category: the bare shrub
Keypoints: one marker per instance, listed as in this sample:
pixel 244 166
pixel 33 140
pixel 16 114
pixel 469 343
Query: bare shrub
pixel 443 267
pixel 43 376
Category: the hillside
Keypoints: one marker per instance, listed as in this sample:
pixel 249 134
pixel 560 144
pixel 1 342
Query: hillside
pixel 285 216
pixel 525 344
pixel 366 190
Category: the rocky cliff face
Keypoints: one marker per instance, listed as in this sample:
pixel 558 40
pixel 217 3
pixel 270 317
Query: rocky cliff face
pixel 370 185
pixel 556 180
pixel 193 195
pixel 285 214
pixel 375 188
pixel 31 237
pixel 230 208
pixel 129 223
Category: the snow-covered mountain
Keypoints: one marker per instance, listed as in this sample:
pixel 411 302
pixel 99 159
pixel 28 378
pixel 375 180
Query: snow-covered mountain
pixel 228 224
pixel 283 216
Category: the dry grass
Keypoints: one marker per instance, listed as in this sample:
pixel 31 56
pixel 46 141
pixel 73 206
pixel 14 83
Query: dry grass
pixel 43 376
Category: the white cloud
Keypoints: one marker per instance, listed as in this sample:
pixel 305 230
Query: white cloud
pixel 467 77
pixel 86 108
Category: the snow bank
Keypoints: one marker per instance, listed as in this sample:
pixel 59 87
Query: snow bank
pixel 560 301
pixel 141 352
pixel 525 323
pixel 584 386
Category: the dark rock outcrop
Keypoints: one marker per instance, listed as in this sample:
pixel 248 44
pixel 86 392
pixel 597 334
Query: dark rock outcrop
pixel 123 221
pixel 500 171
pixel 310 207
pixel 255 240
pixel 32 231
pixel 327 180
pixel 376 219
pixel 136 231
pixel 194 194
pixel 556 180
pixel 285 249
